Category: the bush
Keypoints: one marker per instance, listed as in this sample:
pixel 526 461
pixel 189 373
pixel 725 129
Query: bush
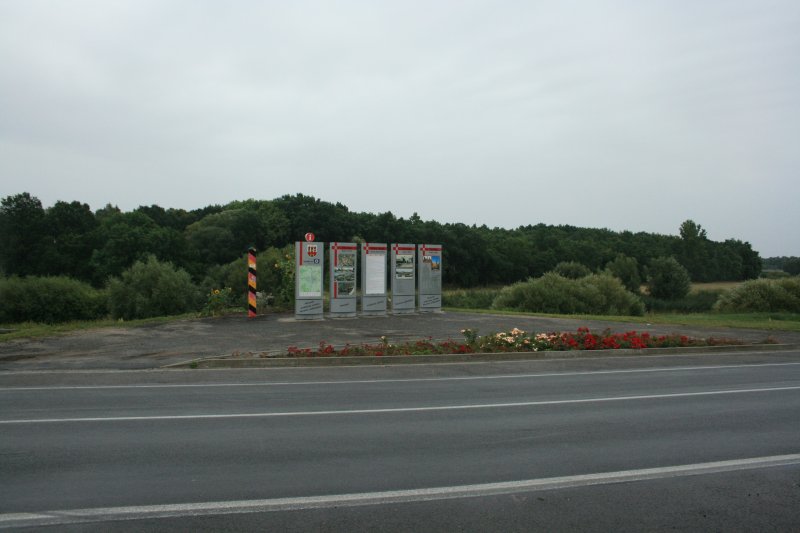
pixel 762 295
pixel 597 294
pixel 626 269
pixel 49 299
pixel 774 274
pixel 151 288
pixel 668 279
pixel 218 301
pixel 571 270
pixel 470 298
pixel 792 266
pixel 272 277
pixel 696 302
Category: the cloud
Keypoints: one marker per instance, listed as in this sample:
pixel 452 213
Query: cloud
pixel 626 115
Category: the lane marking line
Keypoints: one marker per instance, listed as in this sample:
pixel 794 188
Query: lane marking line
pixel 397 409
pixel 391 380
pixel 140 512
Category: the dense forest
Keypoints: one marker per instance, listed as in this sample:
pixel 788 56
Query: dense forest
pixel 69 239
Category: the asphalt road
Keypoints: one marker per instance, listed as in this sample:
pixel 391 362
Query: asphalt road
pixel 657 443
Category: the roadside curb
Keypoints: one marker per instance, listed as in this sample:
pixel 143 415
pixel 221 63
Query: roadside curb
pixel 279 362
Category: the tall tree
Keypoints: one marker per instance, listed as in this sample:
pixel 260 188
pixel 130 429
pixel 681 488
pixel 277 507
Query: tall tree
pixel 71 229
pixel 694 253
pixel 22 234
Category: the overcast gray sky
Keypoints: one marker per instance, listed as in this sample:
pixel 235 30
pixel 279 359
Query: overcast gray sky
pixel 628 115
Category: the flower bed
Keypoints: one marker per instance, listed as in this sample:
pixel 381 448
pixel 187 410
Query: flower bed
pixel 515 340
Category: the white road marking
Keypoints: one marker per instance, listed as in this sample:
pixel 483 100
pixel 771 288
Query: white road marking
pixel 397 409
pixel 391 380
pixel 140 512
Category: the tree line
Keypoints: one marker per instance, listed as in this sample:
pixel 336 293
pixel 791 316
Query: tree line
pixel 69 239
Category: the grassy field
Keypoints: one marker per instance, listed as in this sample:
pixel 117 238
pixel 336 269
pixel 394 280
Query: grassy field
pixel 715 286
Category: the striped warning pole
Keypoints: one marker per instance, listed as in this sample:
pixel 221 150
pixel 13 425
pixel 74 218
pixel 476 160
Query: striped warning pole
pixel 251 283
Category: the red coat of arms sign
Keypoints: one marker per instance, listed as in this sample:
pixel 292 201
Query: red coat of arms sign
pixel 312 250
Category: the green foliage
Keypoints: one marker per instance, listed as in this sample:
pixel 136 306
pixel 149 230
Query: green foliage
pixel 274 277
pixel 127 238
pixel 480 298
pixel 50 300
pixel 151 288
pixel 572 270
pixel 21 234
pixel 284 293
pixel 626 269
pixel 762 295
pixel 594 294
pixel 217 301
pixel 668 279
pixel 774 274
pixel 696 302
pixel 792 266
pixel 68 239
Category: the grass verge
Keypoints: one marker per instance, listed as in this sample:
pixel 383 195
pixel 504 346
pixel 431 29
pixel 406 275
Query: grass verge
pixel 28 330
pixel 765 321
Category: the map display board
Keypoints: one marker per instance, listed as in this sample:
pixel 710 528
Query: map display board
pixel 309 259
pixel 343 270
pixel 429 259
pixel 373 278
pixel 402 262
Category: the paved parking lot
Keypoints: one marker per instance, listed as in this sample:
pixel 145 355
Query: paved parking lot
pixel 154 346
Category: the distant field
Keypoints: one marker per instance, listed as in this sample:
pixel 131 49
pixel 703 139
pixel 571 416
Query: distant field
pixel 715 286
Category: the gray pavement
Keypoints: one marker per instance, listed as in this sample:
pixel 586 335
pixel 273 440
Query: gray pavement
pixel 154 346
pixel 175 450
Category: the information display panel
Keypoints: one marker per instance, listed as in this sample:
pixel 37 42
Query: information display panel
pixel 373 278
pixel 403 275
pixel 309 259
pixel 429 259
pixel 343 275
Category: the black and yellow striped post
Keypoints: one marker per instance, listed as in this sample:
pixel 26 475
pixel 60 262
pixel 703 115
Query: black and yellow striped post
pixel 251 283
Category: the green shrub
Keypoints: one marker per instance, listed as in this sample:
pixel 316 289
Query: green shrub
pixel 668 279
pixel 774 274
pixel 218 301
pixel 470 298
pixel 698 302
pixel 571 270
pixel 597 294
pixel 762 295
pixel 151 288
pixel 792 266
pixel 626 269
pixel 49 300
pixel 270 279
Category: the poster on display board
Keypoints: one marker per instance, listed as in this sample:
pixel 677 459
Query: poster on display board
pixel 403 276
pixel 309 260
pixel 373 278
pixel 343 279
pixel 430 277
